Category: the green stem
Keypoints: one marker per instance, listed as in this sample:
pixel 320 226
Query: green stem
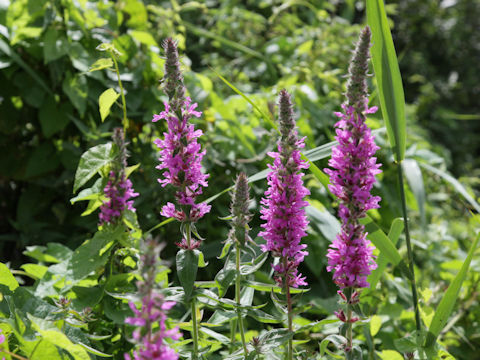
pixel 409 248
pixel 124 104
pixel 195 329
pixel 349 331
pixel 237 299
pixel 290 315
pixel 193 305
pixel 13 354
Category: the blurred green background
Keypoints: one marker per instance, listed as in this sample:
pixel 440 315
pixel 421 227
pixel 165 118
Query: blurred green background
pixel 49 116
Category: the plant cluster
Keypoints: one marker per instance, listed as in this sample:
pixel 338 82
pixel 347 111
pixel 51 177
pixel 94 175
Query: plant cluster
pixel 223 296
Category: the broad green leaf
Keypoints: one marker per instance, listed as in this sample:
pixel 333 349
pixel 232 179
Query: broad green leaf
pixel 100 64
pixel 456 184
pixel 90 193
pixel 445 307
pixel 384 244
pixel 375 324
pixel 54 117
pixel 55 45
pixel 76 88
pixel 336 340
pixel 35 270
pixel 6 277
pixel 59 339
pixel 226 275
pixel 387 74
pixel 143 37
pixel 92 161
pixel 390 355
pixel 105 102
pixel 187 266
pixel 93 253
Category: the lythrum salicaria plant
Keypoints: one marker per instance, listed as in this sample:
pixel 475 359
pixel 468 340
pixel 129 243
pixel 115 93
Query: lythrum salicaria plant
pixel 180 160
pixel 284 208
pixel 118 190
pixel 352 175
pixel 151 330
pixel 239 234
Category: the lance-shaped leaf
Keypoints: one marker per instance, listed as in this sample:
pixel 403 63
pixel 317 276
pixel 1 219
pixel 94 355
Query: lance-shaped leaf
pixel 387 73
pixel 187 267
pixel 92 161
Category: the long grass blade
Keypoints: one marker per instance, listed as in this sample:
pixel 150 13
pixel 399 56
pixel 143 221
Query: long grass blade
pixel 387 74
pixel 444 309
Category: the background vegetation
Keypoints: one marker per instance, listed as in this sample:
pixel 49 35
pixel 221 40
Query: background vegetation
pixel 49 116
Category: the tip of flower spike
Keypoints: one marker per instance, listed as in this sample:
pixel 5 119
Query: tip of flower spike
pixel 174 87
pixel 285 118
pixel 357 91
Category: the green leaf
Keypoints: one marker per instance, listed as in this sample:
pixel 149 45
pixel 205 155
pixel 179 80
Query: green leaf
pixel 187 266
pixel 59 339
pixel 382 260
pixel 75 87
pixel 387 74
pixel 226 275
pixel 390 355
pixel 100 64
pixel 53 117
pixel 250 268
pixel 415 182
pixel 231 86
pixel 94 351
pixel 143 37
pixel 6 277
pixel 91 193
pixel 337 340
pixel 375 324
pixel 93 253
pixel 105 102
pixel 383 243
pixel 55 45
pixel 92 161
pixel 5 48
pixel 271 287
pixel 445 307
pixel 456 184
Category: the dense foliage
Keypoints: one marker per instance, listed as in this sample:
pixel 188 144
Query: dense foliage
pixel 66 285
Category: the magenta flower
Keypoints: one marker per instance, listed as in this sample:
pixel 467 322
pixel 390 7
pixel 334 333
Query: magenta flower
pixel 283 204
pixel 180 153
pixel 352 177
pixel 150 321
pixel 118 190
pixel 181 157
pixel 151 346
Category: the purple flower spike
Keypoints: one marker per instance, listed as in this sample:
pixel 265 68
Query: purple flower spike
pixel 118 190
pixel 352 177
pixel 180 153
pixel 283 204
pixel 150 320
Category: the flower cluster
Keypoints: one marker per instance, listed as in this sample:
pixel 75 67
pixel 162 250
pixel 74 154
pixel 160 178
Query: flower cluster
pixel 283 204
pixel 352 177
pixel 118 190
pixel 150 339
pixel 180 153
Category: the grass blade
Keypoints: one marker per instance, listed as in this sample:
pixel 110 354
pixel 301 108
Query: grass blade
pixel 456 184
pixel 444 309
pixel 231 86
pixel 387 73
